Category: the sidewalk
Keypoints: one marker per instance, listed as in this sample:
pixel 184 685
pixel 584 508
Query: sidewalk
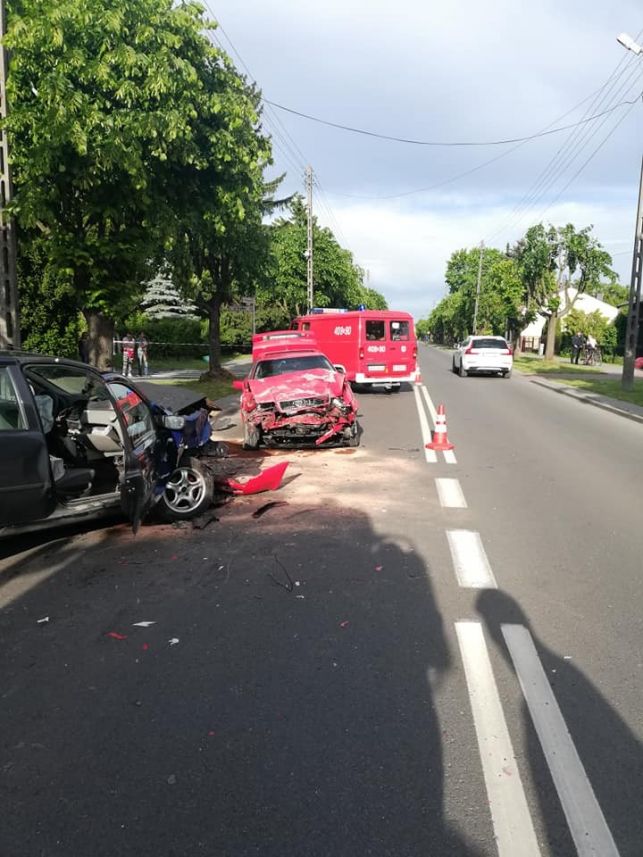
pixel 616 406
pixel 237 366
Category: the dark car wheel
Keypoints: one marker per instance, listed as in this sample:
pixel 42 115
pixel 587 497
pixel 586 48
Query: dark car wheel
pixel 188 492
pixel 251 436
pixel 507 374
pixel 462 372
pixel 354 438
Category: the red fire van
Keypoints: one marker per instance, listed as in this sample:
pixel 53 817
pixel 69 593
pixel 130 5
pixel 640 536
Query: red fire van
pixel 376 347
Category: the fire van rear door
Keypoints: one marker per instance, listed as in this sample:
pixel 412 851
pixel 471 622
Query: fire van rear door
pixel 400 347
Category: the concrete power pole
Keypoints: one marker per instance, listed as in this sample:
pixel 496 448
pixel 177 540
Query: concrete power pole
pixel 475 311
pixel 309 244
pixel 9 314
pixel 632 334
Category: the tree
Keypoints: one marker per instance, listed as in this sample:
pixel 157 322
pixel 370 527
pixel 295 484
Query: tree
pixel 51 323
pixel 499 305
pixel 221 244
pixel 106 100
pixel 163 300
pixel 338 281
pixel 553 261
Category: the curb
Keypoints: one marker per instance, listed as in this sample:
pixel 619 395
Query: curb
pixel 590 399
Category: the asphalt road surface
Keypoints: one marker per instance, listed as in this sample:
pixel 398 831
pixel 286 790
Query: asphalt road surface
pixel 416 655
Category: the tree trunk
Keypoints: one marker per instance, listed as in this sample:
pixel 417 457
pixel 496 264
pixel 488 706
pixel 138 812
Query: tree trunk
pixel 101 335
pixel 552 327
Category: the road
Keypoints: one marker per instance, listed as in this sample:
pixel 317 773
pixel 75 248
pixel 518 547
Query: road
pixel 411 657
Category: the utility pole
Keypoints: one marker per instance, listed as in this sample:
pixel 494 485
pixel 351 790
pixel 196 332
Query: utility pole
pixel 632 334
pixel 309 243
pixel 475 311
pixel 9 315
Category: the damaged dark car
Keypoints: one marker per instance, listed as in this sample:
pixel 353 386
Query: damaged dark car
pixel 75 443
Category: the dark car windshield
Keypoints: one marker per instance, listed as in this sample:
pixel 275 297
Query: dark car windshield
pixel 489 343
pixel 281 365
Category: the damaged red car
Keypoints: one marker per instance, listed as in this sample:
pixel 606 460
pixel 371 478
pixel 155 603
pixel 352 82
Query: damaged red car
pixel 294 396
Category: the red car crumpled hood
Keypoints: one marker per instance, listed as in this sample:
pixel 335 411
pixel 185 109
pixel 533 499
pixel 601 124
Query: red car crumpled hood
pixel 314 383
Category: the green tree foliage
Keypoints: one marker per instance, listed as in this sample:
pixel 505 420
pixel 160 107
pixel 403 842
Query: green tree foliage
pixel 338 281
pixel 51 323
pixel 163 300
pixel 554 260
pixel 500 302
pixel 591 323
pixel 221 244
pixel 129 132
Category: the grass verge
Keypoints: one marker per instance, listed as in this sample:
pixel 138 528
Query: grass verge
pixel 538 366
pixel 609 387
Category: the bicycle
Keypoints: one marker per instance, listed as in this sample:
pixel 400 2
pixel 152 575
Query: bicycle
pixel 592 356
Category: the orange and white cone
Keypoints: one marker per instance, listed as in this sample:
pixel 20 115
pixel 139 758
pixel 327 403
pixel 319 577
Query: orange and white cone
pixel 418 377
pixel 440 439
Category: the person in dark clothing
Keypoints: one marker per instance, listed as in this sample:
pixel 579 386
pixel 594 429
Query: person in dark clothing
pixel 83 347
pixel 577 346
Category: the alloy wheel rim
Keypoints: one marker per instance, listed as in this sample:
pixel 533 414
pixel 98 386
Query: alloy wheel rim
pixel 185 489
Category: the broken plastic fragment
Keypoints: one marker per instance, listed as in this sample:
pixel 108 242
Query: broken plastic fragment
pixel 115 635
pixel 344 624
pixel 43 620
pixel 145 624
pixel 268 480
pixel 173 641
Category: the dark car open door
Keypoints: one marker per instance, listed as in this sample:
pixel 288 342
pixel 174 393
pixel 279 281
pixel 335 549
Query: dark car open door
pixel 25 475
pixel 140 440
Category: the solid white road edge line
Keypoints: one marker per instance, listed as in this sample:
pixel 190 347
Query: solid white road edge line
pixel 449 454
pixel 450 493
pixel 585 818
pixel 429 403
pixel 429 454
pixel 470 561
pixel 512 824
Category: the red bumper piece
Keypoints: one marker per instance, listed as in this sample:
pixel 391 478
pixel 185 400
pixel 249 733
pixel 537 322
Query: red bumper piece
pixel 268 480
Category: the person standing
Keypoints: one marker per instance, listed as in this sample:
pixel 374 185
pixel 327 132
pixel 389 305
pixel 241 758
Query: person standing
pixel 577 346
pixel 83 347
pixel 129 346
pixel 142 347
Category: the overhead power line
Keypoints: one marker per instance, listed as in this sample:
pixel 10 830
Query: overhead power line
pixel 445 143
pixel 577 140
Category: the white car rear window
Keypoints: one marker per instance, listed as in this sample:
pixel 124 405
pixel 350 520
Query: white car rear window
pixel 489 343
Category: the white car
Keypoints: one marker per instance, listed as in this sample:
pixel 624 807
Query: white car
pixel 490 354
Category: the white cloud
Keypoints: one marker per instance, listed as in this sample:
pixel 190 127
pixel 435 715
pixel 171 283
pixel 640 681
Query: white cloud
pixel 463 70
pixel 406 250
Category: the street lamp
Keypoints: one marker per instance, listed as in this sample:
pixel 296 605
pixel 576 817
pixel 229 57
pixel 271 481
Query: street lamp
pixel 634 301
pixel 629 43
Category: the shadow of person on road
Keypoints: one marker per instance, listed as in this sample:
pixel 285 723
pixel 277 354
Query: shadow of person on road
pixel 609 750
pixel 278 705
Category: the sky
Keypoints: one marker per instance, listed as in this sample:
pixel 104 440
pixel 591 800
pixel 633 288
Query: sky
pixel 450 72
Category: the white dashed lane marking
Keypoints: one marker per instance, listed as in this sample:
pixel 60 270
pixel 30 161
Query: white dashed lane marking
pixel 585 818
pixel 470 561
pixel 450 494
pixel 512 824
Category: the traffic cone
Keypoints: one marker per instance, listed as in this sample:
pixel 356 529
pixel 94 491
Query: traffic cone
pixel 418 377
pixel 440 439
